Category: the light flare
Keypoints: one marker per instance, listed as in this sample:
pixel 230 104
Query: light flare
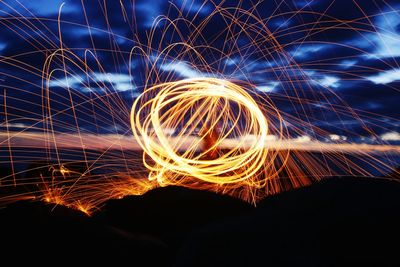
pixel 197 107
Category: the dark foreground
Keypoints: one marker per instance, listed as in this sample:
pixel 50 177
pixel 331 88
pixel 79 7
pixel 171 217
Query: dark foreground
pixel 341 221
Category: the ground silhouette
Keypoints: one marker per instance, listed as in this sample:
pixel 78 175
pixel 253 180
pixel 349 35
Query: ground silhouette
pixel 340 221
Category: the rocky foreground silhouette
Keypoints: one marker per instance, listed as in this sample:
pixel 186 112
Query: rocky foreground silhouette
pixel 337 222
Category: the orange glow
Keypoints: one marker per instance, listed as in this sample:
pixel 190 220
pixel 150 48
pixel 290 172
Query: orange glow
pixel 199 105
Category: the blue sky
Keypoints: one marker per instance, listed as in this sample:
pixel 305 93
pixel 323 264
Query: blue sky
pixel 355 61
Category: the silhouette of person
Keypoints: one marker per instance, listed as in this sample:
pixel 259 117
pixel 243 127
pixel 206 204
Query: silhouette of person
pixel 210 137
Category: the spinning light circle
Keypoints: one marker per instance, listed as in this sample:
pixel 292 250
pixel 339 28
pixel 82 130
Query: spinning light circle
pixel 175 121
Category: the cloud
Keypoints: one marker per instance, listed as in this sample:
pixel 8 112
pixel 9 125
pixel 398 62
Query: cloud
pixel 37 7
pixel 385 41
pixel 387 38
pixel 329 81
pixel 183 69
pixel 269 87
pixel 148 11
pixel 116 141
pixel 348 63
pixel 306 50
pixel 14 125
pixel 69 81
pixel 302 139
pixel 231 61
pixel 123 87
pixel 324 80
pixel 194 6
pixel 68 140
pixel 112 77
pixel 390 136
pixel 335 137
pixel 385 77
pixel 84 31
pixel 119 82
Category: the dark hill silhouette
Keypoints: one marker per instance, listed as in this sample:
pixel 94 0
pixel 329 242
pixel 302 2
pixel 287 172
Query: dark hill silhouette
pixel 37 233
pixel 171 212
pixel 337 222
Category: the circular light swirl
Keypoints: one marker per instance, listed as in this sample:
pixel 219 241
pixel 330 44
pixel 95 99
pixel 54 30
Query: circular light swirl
pixel 173 121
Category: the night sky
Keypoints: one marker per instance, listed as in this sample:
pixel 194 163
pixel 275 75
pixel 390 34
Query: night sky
pixel 98 164
pixel 337 53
